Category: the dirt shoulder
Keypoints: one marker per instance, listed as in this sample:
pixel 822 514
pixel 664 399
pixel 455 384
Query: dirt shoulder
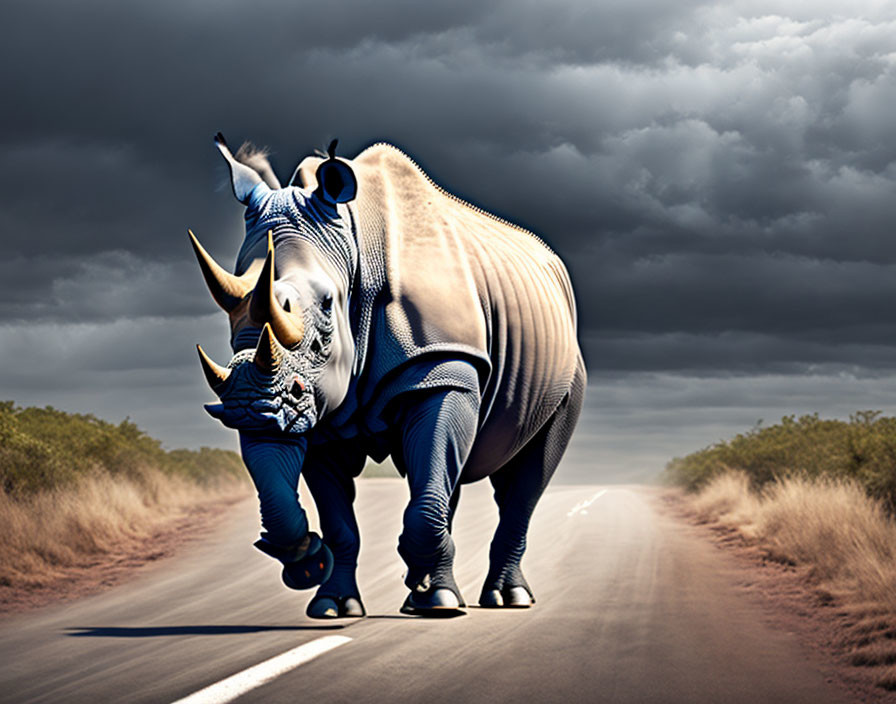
pixel 791 600
pixel 123 561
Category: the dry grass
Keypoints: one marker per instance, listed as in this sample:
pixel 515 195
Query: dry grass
pixel 887 680
pixel 50 532
pixel 842 538
pixel 727 500
pixel 77 491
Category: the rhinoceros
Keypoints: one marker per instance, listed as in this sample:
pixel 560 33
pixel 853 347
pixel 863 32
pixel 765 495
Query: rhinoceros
pixel 374 314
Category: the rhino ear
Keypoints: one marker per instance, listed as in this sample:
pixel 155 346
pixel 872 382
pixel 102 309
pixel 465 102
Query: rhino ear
pixel 336 182
pixel 257 159
pixel 243 178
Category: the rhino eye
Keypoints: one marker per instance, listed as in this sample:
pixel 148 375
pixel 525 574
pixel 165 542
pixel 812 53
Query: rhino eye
pixel 326 302
pixel 315 346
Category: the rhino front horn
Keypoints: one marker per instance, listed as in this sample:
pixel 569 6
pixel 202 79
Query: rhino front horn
pixel 227 290
pixel 268 353
pixel 289 328
pixel 215 374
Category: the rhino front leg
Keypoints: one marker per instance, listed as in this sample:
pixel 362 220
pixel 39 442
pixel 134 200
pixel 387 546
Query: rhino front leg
pixel 436 433
pixel 330 470
pixel 274 465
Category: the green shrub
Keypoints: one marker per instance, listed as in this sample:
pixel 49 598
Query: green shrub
pixel 44 448
pixel 863 449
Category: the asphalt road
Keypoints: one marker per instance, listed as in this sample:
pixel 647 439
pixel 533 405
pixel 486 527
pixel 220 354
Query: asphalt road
pixel 632 607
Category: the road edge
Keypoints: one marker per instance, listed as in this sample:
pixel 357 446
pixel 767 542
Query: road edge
pixel 786 595
pixel 128 560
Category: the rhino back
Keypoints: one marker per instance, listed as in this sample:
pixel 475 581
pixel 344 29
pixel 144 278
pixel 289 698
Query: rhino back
pixel 442 277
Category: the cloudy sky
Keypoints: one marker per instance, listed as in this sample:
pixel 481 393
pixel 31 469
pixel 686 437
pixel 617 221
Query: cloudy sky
pixel 719 177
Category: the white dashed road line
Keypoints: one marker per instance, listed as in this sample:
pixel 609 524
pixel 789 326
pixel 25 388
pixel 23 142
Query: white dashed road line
pixel 583 505
pixel 237 685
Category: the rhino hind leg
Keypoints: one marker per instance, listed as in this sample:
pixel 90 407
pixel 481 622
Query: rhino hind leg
pixel 329 472
pixel 518 486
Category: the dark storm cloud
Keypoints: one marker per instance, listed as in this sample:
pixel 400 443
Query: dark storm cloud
pixel 721 178
pixel 738 353
pixel 109 286
pixel 775 293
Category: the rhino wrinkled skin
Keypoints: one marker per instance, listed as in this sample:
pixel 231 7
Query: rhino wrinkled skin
pixel 373 314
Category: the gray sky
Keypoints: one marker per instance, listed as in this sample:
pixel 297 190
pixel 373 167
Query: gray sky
pixel 719 177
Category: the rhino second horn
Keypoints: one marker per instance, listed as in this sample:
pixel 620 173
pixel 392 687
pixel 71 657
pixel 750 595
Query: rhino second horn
pixel 215 374
pixel 227 290
pixel 289 328
pixel 268 353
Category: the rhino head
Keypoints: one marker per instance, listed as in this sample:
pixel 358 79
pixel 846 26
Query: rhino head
pixel 288 298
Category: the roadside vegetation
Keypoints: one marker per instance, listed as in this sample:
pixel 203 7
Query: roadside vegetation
pixel 819 495
pixel 76 488
pixel 862 450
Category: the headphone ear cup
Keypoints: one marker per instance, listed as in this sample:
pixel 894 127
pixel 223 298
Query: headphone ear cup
pixel 336 181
